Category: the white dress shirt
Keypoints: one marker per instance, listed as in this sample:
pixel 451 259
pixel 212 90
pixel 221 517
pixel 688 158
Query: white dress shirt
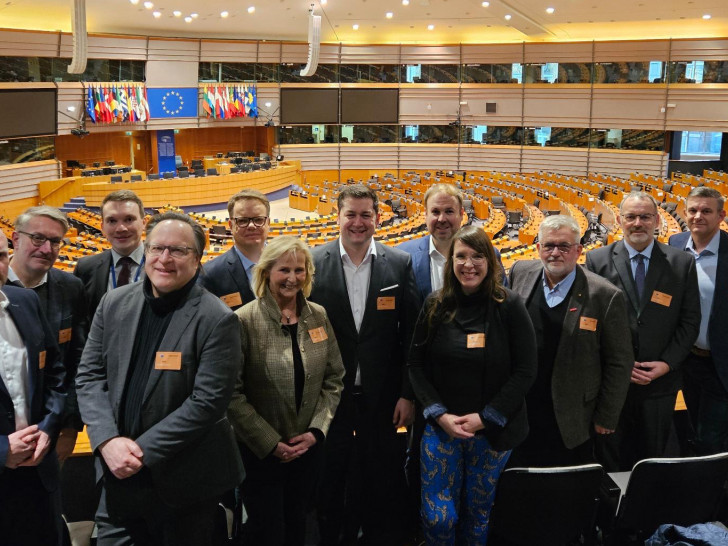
pixel 437 265
pixel 14 364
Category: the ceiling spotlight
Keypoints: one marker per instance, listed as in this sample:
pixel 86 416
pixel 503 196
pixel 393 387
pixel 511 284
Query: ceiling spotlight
pixel 157 14
pixel 550 10
pixel 224 14
pixel 355 27
pixel 508 17
pixel 177 13
pixel 193 15
pixel 251 9
pixel 405 2
pixel 706 16
pixel 135 2
pixel 322 2
pixel 389 15
pixel 430 27
pixel 188 19
pixel 485 4
pixel 148 5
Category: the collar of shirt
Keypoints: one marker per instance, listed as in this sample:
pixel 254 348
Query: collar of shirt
pixel 709 250
pixel 434 253
pixel 247 263
pixel 4 301
pixel 561 288
pixel 647 252
pixel 137 255
pixel 14 278
pixel 371 253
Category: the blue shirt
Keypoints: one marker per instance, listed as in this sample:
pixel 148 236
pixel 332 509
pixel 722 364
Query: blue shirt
pixel 706 265
pixel 557 294
pixel 247 265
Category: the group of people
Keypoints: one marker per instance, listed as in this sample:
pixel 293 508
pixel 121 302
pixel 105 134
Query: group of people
pixel 288 375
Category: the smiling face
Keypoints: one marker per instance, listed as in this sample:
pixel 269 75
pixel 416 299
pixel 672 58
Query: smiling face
pixel 638 218
pixel 31 259
pixel 357 222
pixel 559 253
pixel 248 238
pixel 703 216
pixel 166 273
pixel 122 225
pixel 470 267
pixel 444 215
pixel 287 276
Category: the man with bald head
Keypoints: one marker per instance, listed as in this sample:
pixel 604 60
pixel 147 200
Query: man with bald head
pixel 660 287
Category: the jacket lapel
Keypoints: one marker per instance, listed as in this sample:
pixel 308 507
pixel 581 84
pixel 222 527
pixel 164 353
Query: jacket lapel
pixel 422 266
pixel 54 310
pixel 20 319
pixel 573 312
pixel 131 309
pixel 238 275
pixel 376 278
pixel 621 260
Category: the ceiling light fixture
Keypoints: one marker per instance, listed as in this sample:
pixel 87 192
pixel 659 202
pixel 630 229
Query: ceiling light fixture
pixel 405 2
pixel 508 17
pixel 157 14
pixel 550 10
pixel 224 14
pixel 355 27
pixel 251 9
pixel 135 2
pixel 430 27
pixel 322 2
pixel 193 15
pixel 389 15
pixel 148 5
pixel 188 19
pixel 485 4
pixel 177 13
pixel 706 16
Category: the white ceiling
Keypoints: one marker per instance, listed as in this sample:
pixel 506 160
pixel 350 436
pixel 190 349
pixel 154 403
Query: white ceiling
pixel 455 21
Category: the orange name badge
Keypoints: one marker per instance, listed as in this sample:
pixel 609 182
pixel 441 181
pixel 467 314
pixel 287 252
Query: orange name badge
pixel 41 360
pixel 231 300
pixel 661 298
pixel 586 323
pixel 64 336
pixel 168 360
pixel 318 334
pixel 476 341
pixel 385 303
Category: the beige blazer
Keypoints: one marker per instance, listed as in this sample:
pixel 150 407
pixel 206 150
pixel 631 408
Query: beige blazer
pixel 263 409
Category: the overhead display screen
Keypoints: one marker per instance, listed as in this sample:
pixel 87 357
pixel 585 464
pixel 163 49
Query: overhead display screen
pixel 370 106
pixel 28 112
pixel 309 106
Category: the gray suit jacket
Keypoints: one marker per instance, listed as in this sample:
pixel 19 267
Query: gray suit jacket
pixel 592 368
pixel 225 275
pixel 659 332
pixel 188 443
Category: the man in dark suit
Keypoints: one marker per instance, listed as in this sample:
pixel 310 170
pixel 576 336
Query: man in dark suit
pixel 660 288
pixel 122 223
pixel 230 276
pixel 32 397
pixel 370 295
pixel 583 362
pixel 705 382
pixel 154 384
pixel 37 239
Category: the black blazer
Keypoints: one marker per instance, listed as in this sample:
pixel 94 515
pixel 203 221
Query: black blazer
pixel 659 332
pixel 510 367
pixel 380 347
pixel 94 274
pixel 719 311
pixel 225 275
pixel 45 386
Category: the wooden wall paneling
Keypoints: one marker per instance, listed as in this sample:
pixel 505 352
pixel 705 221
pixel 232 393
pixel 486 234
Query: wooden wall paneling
pixel 94 148
pixel 173 49
pixel 12 209
pixel 370 54
pixel 428 156
pixel 270 52
pixel 70 94
pixel 555 105
pixel 553 52
pixel 634 106
pixel 20 181
pixel 28 43
pixel 104 46
pixel 425 54
pixel 328 54
pixel 313 157
pixel 507 97
pixel 490 158
pixel 56 193
pixel 710 49
pixel 369 156
pixel 697 109
pixel 571 161
pixel 197 144
pixel 430 105
pixel 632 50
pixel 319 177
pixel 228 51
pixel 294 52
pixel 623 162
pixel 492 53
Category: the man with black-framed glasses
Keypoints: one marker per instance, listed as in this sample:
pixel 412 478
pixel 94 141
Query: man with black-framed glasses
pixel 583 361
pixel 37 239
pixel 230 276
pixel 660 287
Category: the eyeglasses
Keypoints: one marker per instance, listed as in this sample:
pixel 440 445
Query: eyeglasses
pixel 632 217
pixel 563 247
pixel 475 259
pixel 39 240
pixel 258 221
pixel 174 251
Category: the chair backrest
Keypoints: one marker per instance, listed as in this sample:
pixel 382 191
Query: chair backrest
pixel 153 176
pixel 682 491
pixel 136 178
pixel 212 172
pixel 545 506
pixel 168 174
pixel 184 174
pixel 115 179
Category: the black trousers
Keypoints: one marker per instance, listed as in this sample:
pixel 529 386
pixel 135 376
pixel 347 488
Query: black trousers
pixel 707 401
pixel 277 497
pixel 363 483
pixel 131 512
pixel 28 511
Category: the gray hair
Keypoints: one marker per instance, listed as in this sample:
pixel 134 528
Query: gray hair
pixel 44 210
pixel 638 196
pixel 557 222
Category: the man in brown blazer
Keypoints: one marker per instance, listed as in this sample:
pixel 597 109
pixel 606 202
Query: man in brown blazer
pixel 584 362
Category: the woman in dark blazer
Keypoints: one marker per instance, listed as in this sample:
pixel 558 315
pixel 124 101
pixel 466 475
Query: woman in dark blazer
pixel 473 359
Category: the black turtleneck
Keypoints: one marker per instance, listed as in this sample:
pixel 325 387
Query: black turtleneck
pixel 155 318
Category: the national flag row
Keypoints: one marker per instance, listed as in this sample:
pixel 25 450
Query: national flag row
pixel 230 101
pixel 117 102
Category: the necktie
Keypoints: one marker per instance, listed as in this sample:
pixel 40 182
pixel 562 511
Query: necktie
pixel 639 275
pixel 125 272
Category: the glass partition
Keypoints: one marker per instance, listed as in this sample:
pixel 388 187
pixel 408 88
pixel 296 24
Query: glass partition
pixel 369 73
pixel 23 150
pixel 51 69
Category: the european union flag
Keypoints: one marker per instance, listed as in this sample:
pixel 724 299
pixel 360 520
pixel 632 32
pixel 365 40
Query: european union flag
pixel 172 102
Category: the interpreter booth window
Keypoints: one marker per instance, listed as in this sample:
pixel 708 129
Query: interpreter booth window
pixel 410 134
pixel 308 134
pixel 541 72
pixel 489 73
pixel 628 139
pixel 432 73
pixel 629 72
pixel 369 73
pixel 699 72
pixel 698 145
pixel 537 136
pixel 474 134
pixel 24 150
pixel 438 134
pixel 227 72
pixel 502 135
pixel 52 69
pixel 374 134
pixel 325 73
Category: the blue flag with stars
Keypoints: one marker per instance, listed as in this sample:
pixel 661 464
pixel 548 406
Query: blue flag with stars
pixel 172 102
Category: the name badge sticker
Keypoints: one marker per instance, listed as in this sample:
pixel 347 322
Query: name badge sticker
pixel 661 298
pixel 385 303
pixel 168 360
pixel 586 323
pixel 232 300
pixel 64 336
pixel 41 360
pixel 318 334
pixel 476 341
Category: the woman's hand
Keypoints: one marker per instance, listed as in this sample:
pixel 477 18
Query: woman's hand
pixel 470 423
pixel 450 424
pixel 301 443
pixel 285 452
